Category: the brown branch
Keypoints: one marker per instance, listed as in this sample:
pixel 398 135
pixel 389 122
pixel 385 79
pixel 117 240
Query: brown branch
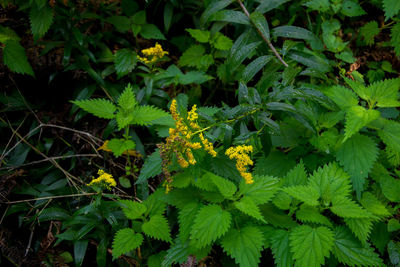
pixel 263 36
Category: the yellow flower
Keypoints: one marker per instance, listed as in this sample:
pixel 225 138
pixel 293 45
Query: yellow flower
pixel 240 153
pixel 152 54
pixel 104 179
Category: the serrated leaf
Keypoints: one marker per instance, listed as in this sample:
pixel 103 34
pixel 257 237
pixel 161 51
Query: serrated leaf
pixel 101 108
pixel 373 205
pixel 249 207
pixel 144 115
pixel 15 58
pixel 311 215
pixel 157 227
pixel 127 100
pixel 357 156
pixel 244 245
pixel 195 56
pixel 125 241
pixel 361 227
pixel 133 209
pixel 296 176
pixel 310 245
pixel 151 167
pixel 41 20
pixel 186 218
pixel 307 194
pixel 351 8
pixel 279 240
pixel 319 5
pixel 358 117
pixel 262 190
pixel 197 77
pixel 349 250
pixel 261 23
pixel 390 135
pixel 119 146
pixel 151 31
pixel 391 8
pixel 395 38
pixel 343 97
pixel 385 93
pixel 200 35
pixel 211 222
pixel 347 208
pixel 8 34
pixel 225 187
pixel 221 42
pixel 369 31
pixel 125 61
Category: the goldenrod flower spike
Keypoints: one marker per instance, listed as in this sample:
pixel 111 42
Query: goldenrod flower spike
pixel 105 179
pixel 240 153
pixel 152 54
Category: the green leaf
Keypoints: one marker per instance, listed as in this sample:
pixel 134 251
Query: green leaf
pixel 121 23
pixel 311 215
pixel 331 182
pixel 15 58
pixel 391 8
pixel 244 245
pixel 357 156
pixel 393 225
pixel 276 164
pixel 41 20
pixel 125 240
pixel 119 146
pixel 230 16
pixel 144 115
pixel 310 245
pixel 249 207
pixel 395 38
pixel 197 77
pixel 318 5
pixel 349 250
pixel 8 34
pixel 157 227
pixel 394 252
pixel 127 100
pixel 369 31
pixel 212 8
pixel 296 176
pixel 151 167
pixel 298 33
pixel 150 31
pixel 361 227
pixel 195 56
pixel 261 191
pixel 279 240
pixel 347 208
pixel 53 213
pixel 329 34
pixel 133 209
pixel 373 205
pixel 261 23
pixel 266 6
pixel 225 187
pixel 390 135
pixel 100 107
pixel 221 42
pixel 385 93
pixel 211 222
pixel 351 8
pixel 254 67
pixel 125 61
pixel 307 194
pixel 200 35
pixel 356 118
pixel 343 97
pixel 186 218
pixel 80 247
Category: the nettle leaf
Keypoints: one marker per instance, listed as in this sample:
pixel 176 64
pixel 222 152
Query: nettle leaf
pixel 351 8
pixel 151 167
pixel 350 251
pixel 211 223
pixel 307 194
pixel 125 241
pixel 15 58
pixel 343 97
pixel 358 117
pixel 100 107
pixel 318 5
pixel 151 31
pixel 119 146
pixel 347 208
pixel 186 218
pixel 373 205
pixel 390 135
pixel 244 245
pixel 125 61
pixel 357 156
pixel 312 215
pixel 157 227
pixel 331 182
pixel 127 100
pixel 41 20
pixel 262 190
pixel 385 93
pixel 249 207
pixel 296 176
pixel 391 8
pixel 310 245
pixel 191 57
pixel 200 35
pixel 221 42
pixel 144 115
pixel 395 38
pixel 8 34
pixel 279 240
pixel 225 187
pixel 369 31
pixel 361 227
pixel 133 209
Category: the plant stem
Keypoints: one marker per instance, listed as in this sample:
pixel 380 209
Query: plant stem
pixel 263 36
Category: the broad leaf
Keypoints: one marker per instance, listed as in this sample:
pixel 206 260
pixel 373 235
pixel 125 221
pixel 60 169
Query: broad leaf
pixel 125 61
pixel 247 206
pixel 15 58
pixel 307 194
pixel 41 20
pixel 151 167
pixel 391 8
pixel 279 240
pixel 157 227
pixel 261 191
pixel 101 108
pixel 125 241
pixel 358 117
pixel 133 209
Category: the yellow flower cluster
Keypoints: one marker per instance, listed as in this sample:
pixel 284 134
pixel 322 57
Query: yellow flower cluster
pixel 104 179
pixel 240 153
pixel 152 54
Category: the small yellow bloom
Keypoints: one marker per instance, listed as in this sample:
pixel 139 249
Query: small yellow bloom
pixel 240 154
pixel 152 54
pixel 104 179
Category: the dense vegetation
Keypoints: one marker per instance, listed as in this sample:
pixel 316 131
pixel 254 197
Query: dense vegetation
pixel 200 133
